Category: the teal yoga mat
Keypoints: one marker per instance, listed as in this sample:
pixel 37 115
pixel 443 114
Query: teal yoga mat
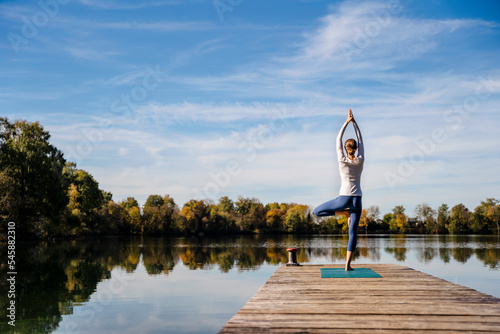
pixel 341 273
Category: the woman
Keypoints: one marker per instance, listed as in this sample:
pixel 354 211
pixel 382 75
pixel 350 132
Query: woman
pixel 349 201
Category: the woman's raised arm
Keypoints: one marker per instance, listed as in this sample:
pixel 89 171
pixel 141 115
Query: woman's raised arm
pixel 340 147
pixel 361 147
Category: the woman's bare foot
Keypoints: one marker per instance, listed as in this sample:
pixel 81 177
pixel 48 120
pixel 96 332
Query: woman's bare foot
pixel 348 261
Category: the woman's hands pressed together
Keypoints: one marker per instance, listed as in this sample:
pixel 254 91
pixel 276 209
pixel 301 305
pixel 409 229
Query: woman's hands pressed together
pixel 350 117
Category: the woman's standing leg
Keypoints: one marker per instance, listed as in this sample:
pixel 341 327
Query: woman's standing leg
pixel 355 216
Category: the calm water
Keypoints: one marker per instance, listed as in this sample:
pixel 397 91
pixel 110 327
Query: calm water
pixel 194 285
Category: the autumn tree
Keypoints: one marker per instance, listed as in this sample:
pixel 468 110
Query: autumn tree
pixel 275 217
pixel 368 219
pixel 399 221
pixel 458 222
pixel 90 197
pixel 132 214
pixel 297 219
pixel 194 215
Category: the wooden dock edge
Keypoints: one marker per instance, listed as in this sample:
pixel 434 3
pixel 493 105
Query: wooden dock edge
pixel 404 300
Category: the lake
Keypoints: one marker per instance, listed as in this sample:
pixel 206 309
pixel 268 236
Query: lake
pixel 195 285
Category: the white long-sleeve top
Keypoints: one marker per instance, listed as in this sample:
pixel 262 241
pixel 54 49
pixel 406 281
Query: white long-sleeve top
pixel 350 170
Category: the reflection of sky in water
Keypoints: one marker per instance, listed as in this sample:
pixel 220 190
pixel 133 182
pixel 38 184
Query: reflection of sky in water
pixel 201 301
pixel 184 301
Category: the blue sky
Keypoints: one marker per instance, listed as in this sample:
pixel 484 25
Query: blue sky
pixel 201 99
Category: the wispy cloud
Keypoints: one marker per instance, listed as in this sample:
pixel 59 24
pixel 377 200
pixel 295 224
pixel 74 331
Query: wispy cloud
pixel 369 37
pixel 117 5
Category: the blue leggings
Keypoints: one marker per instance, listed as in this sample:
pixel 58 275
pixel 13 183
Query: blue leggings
pixel 344 203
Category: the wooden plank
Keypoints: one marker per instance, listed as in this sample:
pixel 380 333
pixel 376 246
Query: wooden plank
pixel 298 300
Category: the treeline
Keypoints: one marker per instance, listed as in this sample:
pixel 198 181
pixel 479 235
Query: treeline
pixel 47 196
pixel 485 219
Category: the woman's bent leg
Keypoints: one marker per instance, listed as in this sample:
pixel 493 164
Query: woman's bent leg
pixel 340 203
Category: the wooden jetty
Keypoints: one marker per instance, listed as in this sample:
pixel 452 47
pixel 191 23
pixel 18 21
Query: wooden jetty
pixel 404 300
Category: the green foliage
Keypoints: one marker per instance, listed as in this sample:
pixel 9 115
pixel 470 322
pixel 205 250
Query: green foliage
pixel 32 172
pixel 458 220
pixel 154 201
pixel 226 205
pixel 485 217
pixel 91 196
pixel 442 219
pixel 250 214
pixel 129 203
pixel 399 221
pixel 297 218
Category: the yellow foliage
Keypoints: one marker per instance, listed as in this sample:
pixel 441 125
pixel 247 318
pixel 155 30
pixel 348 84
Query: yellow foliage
pixel 74 198
pixel 187 213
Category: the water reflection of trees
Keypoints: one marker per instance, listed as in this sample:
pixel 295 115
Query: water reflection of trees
pixel 55 277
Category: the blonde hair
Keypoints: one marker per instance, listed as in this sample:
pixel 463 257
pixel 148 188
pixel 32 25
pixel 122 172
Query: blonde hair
pixel 351 146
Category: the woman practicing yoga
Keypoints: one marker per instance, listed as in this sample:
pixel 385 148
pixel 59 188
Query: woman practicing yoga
pixel 349 202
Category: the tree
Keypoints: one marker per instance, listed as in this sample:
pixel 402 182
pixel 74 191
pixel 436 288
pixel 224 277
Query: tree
pixel 131 215
pixel 151 220
pixel 251 214
pixel 34 169
pixel 482 219
pixel 225 205
pixel 368 219
pixel 363 221
pixel 111 219
pixel 442 218
pixel 135 219
pixel 275 217
pixel 373 212
pixel 426 217
pixel 91 197
pixel 154 200
pixel 129 203
pixel 168 214
pixel 493 214
pixel 106 197
pixel 195 214
pixel 9 199
pixel 386 221
pixel 399 221
pixel 458 222
pixel 296 219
